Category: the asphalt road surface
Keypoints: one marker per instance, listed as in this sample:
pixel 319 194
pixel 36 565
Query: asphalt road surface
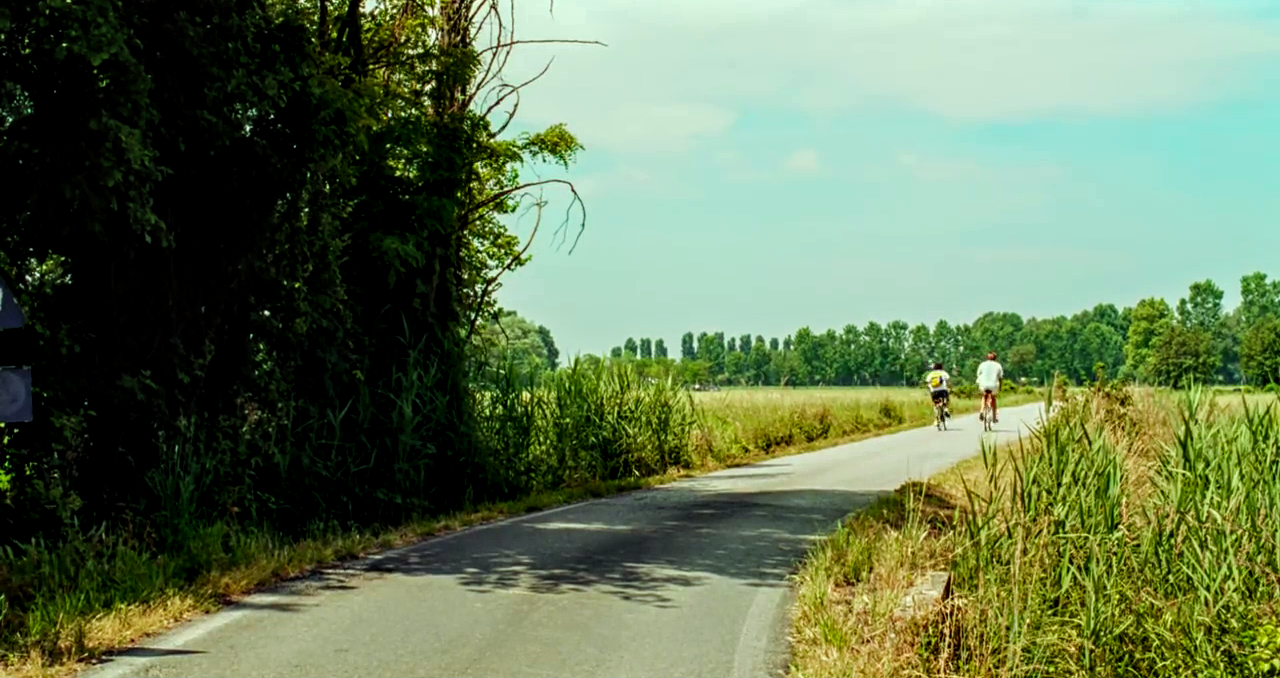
pixel 689 579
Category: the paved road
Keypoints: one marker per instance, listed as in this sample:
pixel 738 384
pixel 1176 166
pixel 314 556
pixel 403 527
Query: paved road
pixel 689 579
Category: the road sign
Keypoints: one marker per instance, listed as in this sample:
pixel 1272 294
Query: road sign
pixel 15 382
pixel 11 315
pixel 15 395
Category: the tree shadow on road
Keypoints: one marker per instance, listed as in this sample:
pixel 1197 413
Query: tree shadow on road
pixel 639 548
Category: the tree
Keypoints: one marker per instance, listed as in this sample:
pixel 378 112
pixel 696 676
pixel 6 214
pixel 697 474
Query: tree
pixel 992 331
pixel 1229 346
pixel 920 349
pixel 946 345
pixel 615 352
pixel 695 371
pixel 1100 343
pixel 773 345
pixel 760 359
pixel 1201 311
pixel 896 335
pixel 687 349
pixel 849 357
pixel 1259 299
pixel 1260 352
pixel 219 208
pixel 712 350
pixel 877 356
pixel 510 340
pixel 787 365
pixel 1202 308
pixel 1021 361
pixel 808 366
pixel 744 343
pixel 1149 316
pixel 1180 354
pixel 718 354
pixel 736 367
pixel 660 349
pixel 549 345
pixel 629 348
pixel 733 345
pixel 646 348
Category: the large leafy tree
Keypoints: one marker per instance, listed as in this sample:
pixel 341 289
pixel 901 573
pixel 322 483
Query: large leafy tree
pixel 549 346
pixel 229 218
pixel 1181 354
pixel 1150 317
pixel 1260 352
pixel 1259 299
pixel 510 340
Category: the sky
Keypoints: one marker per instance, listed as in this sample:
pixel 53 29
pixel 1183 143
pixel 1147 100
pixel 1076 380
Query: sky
pixel 755 166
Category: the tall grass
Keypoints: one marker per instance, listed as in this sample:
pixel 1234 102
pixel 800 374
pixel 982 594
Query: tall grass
pixel 1135 534
pixel 576 433
pixel 1130 537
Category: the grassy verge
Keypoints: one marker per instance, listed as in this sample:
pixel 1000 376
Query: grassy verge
pixel 90 596
pixel 1136 534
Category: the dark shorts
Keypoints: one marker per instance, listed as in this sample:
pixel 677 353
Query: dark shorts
pixel 940 394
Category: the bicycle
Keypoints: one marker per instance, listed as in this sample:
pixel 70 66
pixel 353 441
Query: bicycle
pixel 940 414
pixel 985 414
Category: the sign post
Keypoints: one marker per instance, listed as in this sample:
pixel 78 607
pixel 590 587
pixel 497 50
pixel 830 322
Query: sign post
pixel 15 376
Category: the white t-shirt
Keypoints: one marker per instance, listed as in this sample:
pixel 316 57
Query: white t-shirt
pixel 990 374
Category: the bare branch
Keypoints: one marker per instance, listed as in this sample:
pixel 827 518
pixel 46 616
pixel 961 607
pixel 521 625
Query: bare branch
pixel 492 281
pixel 489 73
pixel 514 189
pixel 546 41
pixel 508 89
pixel 568 211
pixel 511 115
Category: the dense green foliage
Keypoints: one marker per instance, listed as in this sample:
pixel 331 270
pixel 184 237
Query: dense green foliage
pixel 253 239
pixel 1149 343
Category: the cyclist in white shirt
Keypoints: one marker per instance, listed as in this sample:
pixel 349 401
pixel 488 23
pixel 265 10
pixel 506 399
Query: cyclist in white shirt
pixel 990 374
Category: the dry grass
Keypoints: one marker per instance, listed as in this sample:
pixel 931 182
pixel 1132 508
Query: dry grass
pixel 850 586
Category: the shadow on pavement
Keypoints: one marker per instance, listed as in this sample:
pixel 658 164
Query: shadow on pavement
pixel 637 547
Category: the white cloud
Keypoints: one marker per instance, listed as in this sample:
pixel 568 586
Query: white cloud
pixel 802 161
pixel 675 71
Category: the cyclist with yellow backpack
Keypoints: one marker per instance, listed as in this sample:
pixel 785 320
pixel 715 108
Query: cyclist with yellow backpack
pixel 940 387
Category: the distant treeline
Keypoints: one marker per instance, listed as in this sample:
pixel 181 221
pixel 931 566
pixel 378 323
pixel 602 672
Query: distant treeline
pixel 1151 342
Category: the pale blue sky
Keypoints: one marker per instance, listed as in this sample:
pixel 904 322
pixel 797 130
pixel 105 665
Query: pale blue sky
pixel 759 166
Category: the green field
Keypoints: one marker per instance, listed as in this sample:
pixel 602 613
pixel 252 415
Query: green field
pixel 749 421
